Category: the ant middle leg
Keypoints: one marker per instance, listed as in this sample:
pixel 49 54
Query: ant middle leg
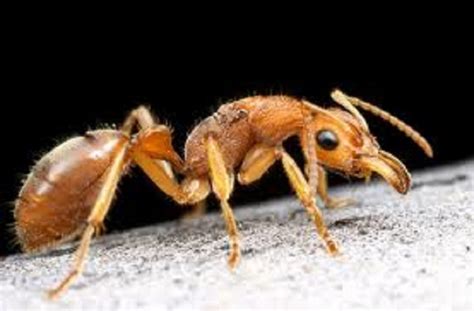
pixel 257 161
pixel 222 185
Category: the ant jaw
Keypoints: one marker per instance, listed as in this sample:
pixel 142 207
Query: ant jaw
pixel 387 166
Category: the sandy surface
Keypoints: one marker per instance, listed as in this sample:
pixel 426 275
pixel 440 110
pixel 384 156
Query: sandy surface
pixel 414 251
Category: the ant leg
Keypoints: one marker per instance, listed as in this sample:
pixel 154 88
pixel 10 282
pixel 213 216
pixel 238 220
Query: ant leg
pixel 192 190
pixel 222 184
pixel 323 192
pixel 140 116
pixel 303 191
pixel 257 161
pixel 152 150
pixel 159 174
pixel 153 137
pixel 94 221
pixel 155 148
pixel 156 142
pixel 308 143
pixel 317 176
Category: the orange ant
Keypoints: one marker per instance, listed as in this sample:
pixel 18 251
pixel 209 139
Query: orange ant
pixel 70 190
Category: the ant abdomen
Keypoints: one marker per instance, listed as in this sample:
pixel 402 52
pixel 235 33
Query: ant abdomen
pixel 56 199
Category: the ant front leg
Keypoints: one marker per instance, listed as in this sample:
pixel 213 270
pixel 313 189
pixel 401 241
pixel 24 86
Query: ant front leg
pixel 309 150
pixel 258 161
pixel 222 185
pixel 304 193
pixel 317 176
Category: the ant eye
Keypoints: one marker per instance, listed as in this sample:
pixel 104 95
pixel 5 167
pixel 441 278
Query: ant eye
pixel 327 139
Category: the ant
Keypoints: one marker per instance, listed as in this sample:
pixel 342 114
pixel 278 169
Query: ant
pixel 69 191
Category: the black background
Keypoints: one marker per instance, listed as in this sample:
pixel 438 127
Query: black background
pixel 60 84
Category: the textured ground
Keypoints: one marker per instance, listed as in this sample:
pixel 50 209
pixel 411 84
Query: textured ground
pixel 399 252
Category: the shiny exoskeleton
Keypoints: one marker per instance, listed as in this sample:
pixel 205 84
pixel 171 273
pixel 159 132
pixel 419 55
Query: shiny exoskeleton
pixel 69 191
pixel 63 187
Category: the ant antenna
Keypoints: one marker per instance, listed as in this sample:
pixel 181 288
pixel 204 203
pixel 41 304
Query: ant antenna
pixel 343 100
pixel 394 121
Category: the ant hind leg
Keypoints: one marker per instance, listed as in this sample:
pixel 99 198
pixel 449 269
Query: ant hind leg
pixel 94 222
pixel 140 116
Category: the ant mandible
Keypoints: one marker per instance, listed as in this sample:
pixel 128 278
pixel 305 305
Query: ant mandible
pixel 70 190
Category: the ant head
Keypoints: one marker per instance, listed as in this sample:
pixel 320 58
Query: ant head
pixel 344 142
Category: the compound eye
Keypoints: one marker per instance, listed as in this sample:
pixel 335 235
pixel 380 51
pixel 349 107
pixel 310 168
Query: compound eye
pixel 327 139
